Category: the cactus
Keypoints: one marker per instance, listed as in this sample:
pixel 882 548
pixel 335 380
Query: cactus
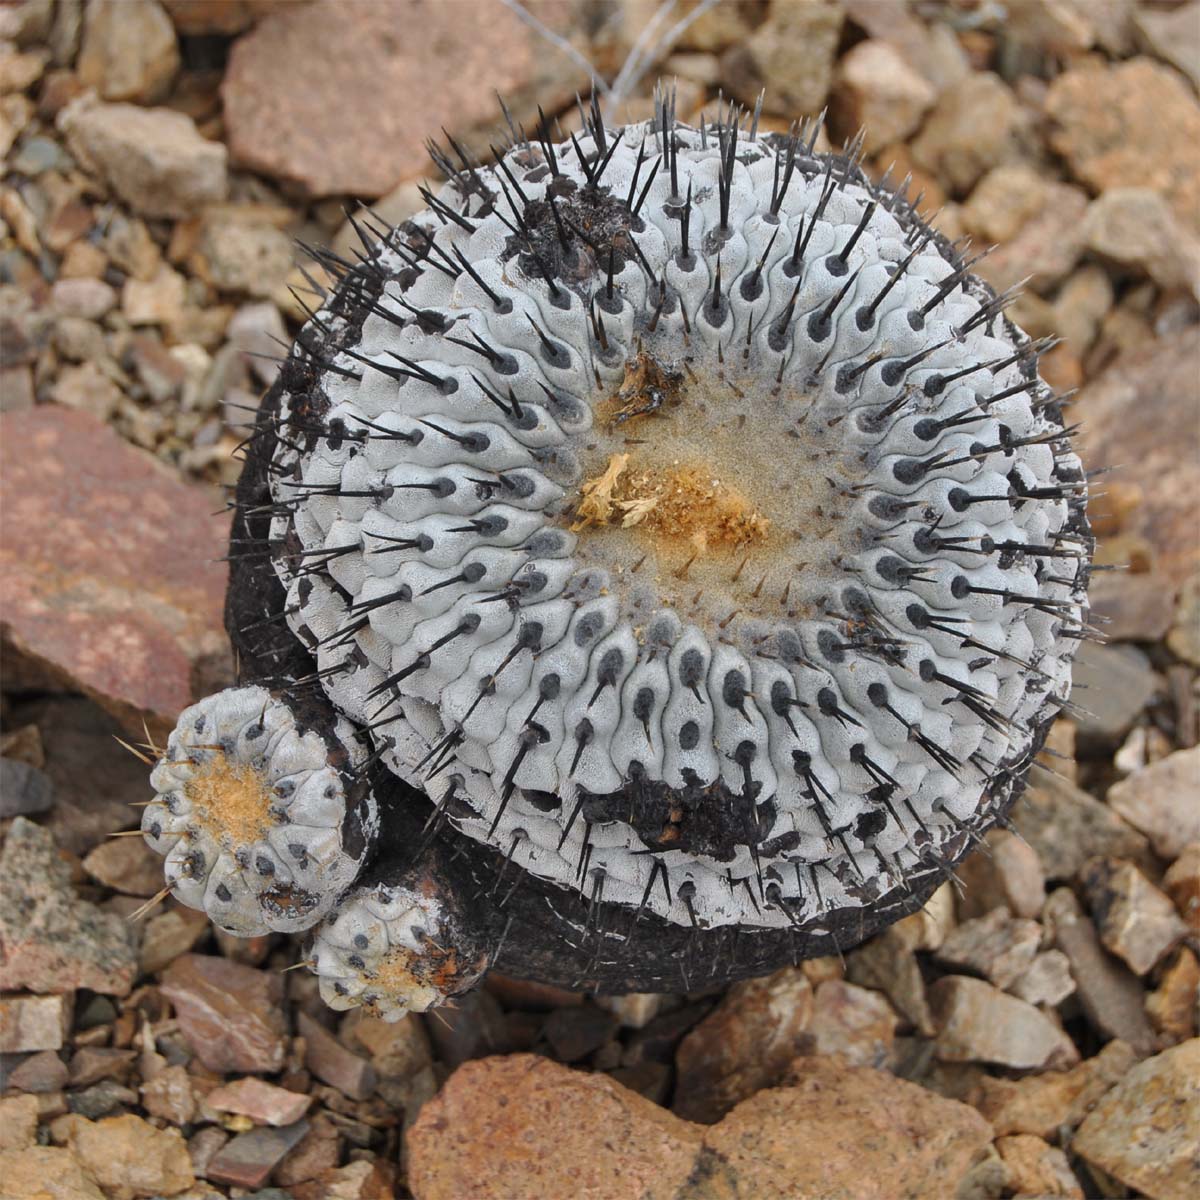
pixel 676 555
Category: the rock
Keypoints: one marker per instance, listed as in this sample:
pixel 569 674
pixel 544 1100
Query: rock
pixel 155 301
pixel 127 865
pixel 40 1073
pixel 997 946
pixel 1042 1105
pixel 18 1122
pixel 242 254
pixel 1109 994
pixel 87 389
pixel 1174 1006
pixel 24 790
pixel 1036 1168
pixel 90 298
pixel 887 963
pixel 1146 1129
pixel 169 1096
pixel 576 1032
pixel 1133 607
pixel 877 88
pixel 90 1064
pixel 332 1063
pixel 101 1100
pixel 879 1138
pixel 1066 826
pixel 128 50
pixel 108 571
pixel 743 1046
pixel 128 1157
pixel 1082 303
pixel 852 1022
pixel 1135 920
pixel 360 1180
pixel 978 1023
pixel 1171 35
pixel 204 1146
pixel 635 1010
pixel 400 1054
pixel 389 60
pixel 1047 980
pixel 791 54
pixel 33 1022
pixel 563 1133
pixel 1007 873
pixel 1132 123
pixel 153 158
pixel 473 1027
pixel 1145 391
pixel 1033 220
pixel 1182 884
pixel 1160 800
pixel 1135 227
pixel 928 927
pixel 263 1103
pixel 1004 200
pixel 249 1158
pixel 1047 245
pixel 46 1173
pixel 932 50
pixel 231 1015
pixel 54 941
pixel 318 1151
pixel 975 126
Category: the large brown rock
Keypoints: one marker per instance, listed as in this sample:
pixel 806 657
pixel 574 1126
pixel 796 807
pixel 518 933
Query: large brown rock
pixel 1133 416
pixel 1134 124
pixel 107 571
pixel 524 1126
pixel 841 1133
pixel 341 97
pixel 1146 1131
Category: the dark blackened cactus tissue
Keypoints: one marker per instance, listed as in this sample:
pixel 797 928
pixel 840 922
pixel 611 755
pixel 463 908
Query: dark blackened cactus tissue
pixel 658 561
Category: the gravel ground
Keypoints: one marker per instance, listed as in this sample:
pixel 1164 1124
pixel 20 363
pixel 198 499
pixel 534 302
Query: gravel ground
pixel 1032 1032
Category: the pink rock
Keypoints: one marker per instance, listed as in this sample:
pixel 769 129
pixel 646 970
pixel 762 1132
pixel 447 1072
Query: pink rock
pixel 524 1126
pixel 332 1063
pixel 231 1015
pixel 107 571
pixel 263 1103
pixel 341 97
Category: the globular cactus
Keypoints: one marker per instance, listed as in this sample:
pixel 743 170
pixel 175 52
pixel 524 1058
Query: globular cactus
pixel 677 542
